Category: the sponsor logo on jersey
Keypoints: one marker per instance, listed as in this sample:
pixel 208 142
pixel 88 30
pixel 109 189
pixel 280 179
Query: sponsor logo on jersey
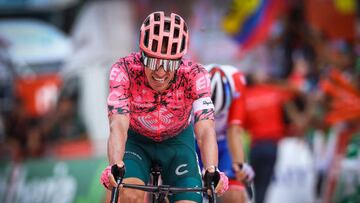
pixel 201 83
pixel 113 98
pixel 157 120
pixel 207 103
pixel 118 76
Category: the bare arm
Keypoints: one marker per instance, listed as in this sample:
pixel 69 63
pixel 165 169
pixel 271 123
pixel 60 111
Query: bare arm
pixel 206 138
pixel 235 143
pixel 119 125
pixel 245 172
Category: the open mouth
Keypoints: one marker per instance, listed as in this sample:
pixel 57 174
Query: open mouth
pixel 160 80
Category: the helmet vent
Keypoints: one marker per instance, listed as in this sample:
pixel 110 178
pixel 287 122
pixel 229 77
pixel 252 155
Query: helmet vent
pixel 176 33
pixel 147 21
pixel 182 43
pixel 167 26
pixel 177 20
pixel 185 28
pixel 156 29
pixel 164 45
pixel 146 38
pixel 154 46
pixel 173 48
pixel 157 16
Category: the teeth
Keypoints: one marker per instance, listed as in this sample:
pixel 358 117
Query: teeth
pixel 159 79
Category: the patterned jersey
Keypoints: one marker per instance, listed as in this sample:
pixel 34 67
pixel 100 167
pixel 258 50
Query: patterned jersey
pixel 159 115
pixel 230 97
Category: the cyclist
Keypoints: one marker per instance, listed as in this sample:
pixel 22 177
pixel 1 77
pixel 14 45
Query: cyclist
pixel 152 95
pixel 227 89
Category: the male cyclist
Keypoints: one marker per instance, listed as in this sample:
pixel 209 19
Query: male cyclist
pixel 150 103
pixel 227 93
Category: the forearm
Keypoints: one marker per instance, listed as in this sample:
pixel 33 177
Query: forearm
pixel 235 143
pixel 206 138
pixel 117 139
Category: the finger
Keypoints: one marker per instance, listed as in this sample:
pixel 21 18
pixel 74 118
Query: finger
pixel 240 176
pixel 219 187
pixel 245 176
pixel 112 180
pixel 218 192
pixel 120 164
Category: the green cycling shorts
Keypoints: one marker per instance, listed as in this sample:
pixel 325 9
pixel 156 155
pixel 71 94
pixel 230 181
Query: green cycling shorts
pixel 176 156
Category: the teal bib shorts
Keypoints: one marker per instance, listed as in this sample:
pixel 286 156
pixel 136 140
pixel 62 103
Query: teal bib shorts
pixel 176 156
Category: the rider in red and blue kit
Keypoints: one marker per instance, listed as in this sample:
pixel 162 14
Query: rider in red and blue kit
pixel 227 93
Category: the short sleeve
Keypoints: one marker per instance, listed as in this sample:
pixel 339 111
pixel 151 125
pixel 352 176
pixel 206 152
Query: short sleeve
pixel 237 107
pixel 119 92
pixel 201 94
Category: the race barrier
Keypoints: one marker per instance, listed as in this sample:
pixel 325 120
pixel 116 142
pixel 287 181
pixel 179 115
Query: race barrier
pixel 50 180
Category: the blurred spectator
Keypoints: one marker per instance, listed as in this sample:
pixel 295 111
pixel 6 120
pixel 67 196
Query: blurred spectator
pixel 264 104
pixel 339 81
pixel 7 75
pixel 295 38
pixel 301 110
pixel 22 134
pixel 64 124
pixel 2 137
pixel 68 125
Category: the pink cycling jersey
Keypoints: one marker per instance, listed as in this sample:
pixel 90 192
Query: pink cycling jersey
pixel 159 115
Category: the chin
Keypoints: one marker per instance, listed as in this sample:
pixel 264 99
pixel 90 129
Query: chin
pixel 159 88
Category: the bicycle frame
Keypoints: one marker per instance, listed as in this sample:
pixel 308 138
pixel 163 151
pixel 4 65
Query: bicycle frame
pixel 160 192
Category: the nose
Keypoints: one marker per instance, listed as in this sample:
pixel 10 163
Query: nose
pixel 160 71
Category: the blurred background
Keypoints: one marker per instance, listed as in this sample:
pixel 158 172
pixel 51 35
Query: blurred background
pixel 55 56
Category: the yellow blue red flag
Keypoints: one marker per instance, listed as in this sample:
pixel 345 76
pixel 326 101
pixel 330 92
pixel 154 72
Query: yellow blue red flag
pixel 249 21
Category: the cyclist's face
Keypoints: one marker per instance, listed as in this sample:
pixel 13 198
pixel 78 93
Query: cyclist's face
pixel 159 79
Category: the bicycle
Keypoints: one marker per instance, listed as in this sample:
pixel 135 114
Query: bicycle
pixel 249 187
pixel 159 192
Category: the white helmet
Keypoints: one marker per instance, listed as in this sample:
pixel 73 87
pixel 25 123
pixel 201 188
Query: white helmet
pixel 221 94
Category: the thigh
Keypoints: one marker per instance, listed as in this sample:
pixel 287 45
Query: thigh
pixel 180 168
pixel 136 160
pixel 184 173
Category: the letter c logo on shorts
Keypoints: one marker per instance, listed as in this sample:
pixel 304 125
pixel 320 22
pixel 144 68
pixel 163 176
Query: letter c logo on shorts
pixel 178 172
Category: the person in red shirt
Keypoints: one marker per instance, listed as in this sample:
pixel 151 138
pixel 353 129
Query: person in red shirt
pixel 264 110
